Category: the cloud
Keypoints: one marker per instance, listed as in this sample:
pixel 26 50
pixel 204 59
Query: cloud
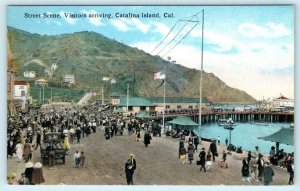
pixel 270 30
pixel 130 24
pixel 93 20
pixel 68 19
pixel 120 25
pixel 254 68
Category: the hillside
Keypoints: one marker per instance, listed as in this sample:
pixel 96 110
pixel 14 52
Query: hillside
pixel 91 56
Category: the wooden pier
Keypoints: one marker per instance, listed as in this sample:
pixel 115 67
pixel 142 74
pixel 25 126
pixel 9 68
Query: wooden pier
pixel 263 116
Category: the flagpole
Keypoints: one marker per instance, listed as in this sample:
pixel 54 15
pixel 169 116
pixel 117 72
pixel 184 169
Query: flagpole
pixel 127 96
pixel 102 96
pixel 164 108
pixel 200 98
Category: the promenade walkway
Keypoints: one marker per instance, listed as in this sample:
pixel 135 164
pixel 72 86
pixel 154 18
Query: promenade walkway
pixel 156 165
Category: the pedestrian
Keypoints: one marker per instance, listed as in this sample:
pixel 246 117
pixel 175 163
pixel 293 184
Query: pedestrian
pixel 290 170
pixel 38 139
pixel 76 158
pixel 245 170
pixel 272 155
pixel 29 171
pixel 202 156
pixel 27 153
pixel 226 142
pixel 37 174
pixel 253 168
pixel 223 161
pixel 147 138
pixel 208 160
pixel 130 167
pixel 219 140
pixel 78 134
pixel 190 150
pixel 267 174
pixel 256 152
pixel 19 150
pixel 182 152
pixel 260 166
pixel 23 180
pixel 213 150
pixel 11 178
pixel 196 143
pixel 249 157
pixel 82 159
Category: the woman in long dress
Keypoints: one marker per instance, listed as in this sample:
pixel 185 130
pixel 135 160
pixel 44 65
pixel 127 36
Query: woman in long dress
pixel 19 151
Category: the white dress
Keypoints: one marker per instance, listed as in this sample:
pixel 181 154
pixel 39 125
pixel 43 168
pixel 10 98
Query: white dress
pixel 19 151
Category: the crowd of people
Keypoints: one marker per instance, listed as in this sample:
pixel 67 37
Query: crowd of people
pixel 27 130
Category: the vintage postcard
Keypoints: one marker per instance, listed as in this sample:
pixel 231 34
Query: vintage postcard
pixel 150 95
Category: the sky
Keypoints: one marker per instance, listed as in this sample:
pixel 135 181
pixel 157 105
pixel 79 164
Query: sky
pixel 250 48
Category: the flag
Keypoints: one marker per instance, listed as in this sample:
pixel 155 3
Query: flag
pixel 159 76
pixel 163 81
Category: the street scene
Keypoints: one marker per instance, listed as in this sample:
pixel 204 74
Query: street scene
pixel 150 95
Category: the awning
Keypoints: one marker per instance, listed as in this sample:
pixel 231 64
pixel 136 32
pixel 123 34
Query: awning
pixel 184 121
pixel 143 115
pixel 284 136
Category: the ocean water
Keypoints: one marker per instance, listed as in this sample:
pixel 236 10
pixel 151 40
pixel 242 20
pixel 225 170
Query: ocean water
pixel 246 135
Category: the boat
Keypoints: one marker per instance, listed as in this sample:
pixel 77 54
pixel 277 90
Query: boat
pixel 226 122
pixel 259 123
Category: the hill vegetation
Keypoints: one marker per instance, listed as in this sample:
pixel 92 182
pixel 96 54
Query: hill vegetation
pixel 91 56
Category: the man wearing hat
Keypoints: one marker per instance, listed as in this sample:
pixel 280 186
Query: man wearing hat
pixel 29 171
pixel 130 166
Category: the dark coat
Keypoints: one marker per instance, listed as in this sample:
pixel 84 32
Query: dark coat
pixel 245 169
pixel 147 138
pixel 268 174
pixel 130 166
pixel 202 157
pixel 213 148
pixel 190 150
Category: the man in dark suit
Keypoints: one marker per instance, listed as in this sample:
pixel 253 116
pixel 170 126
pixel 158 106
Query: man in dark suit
pixel 130 167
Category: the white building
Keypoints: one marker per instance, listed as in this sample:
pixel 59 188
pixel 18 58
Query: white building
pixel 69 78
pixel 282 102
pixel 21 90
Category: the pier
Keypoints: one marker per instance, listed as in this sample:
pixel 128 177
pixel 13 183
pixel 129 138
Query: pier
pixel 245 116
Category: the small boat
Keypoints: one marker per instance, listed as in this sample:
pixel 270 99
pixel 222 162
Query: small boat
pixel 259 123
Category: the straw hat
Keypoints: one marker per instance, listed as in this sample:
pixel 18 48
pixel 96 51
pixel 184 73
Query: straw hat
pixel 38 165
pixel 29 165
pixel 131 155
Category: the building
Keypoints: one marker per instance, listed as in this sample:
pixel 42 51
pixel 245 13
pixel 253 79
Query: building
pixel 29 74
pixel 21 90
pixel 282 103
pixel 69 78
pixel 178 104
pixel 135 104
pixel 11 75
pixel 156 104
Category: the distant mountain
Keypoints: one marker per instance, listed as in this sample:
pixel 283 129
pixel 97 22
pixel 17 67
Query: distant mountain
pixel 91 56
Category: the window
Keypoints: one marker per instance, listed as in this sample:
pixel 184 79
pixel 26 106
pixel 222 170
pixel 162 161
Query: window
pixel 190 107
pixel 167 106
pixel 142 108
pixel 130 108
pixel 178 106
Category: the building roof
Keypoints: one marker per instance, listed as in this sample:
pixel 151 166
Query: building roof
pixel 176 100
pixel 282 97
pixel 41 80
pixel 20 83
pixel 135 101
pixel 284 135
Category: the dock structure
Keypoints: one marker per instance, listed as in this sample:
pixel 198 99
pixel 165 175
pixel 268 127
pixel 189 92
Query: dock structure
pixel 240 116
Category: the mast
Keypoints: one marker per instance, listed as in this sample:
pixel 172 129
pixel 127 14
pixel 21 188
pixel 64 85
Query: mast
pixel 201 80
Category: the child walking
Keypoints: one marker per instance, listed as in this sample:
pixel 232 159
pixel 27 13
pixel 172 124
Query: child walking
pixel 82 159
